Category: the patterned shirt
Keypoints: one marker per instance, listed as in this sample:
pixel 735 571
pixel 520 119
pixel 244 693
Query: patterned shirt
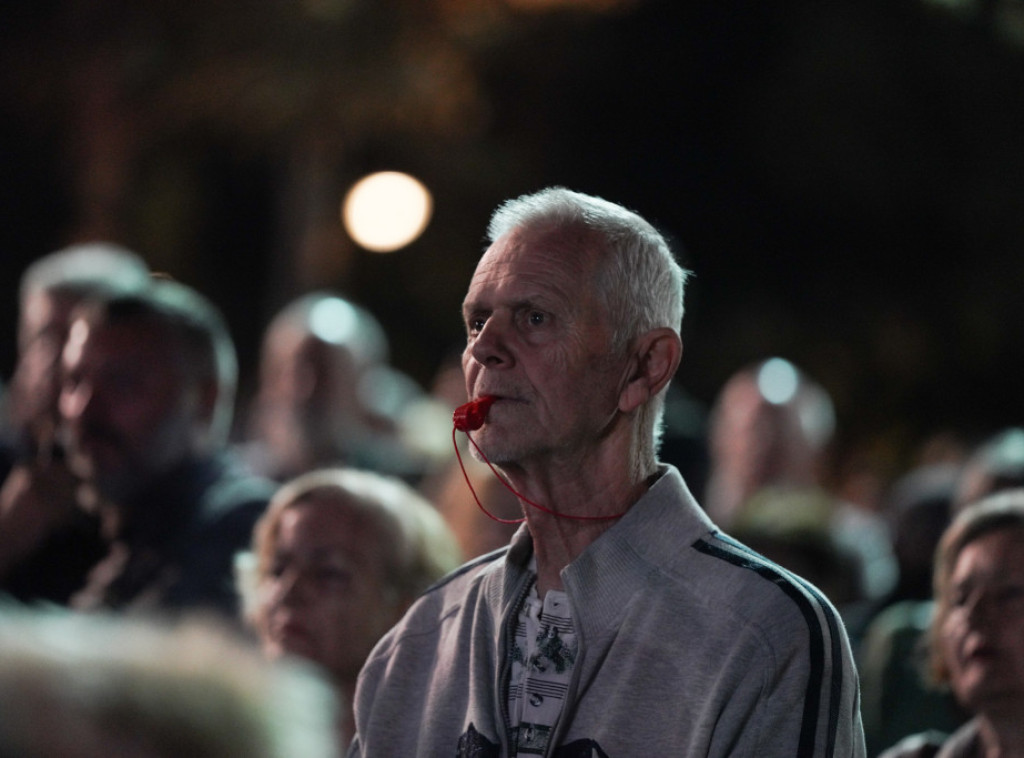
pixel 542 663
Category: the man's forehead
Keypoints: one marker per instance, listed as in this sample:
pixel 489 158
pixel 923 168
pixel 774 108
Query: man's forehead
pixel 535 255
pixel 569 243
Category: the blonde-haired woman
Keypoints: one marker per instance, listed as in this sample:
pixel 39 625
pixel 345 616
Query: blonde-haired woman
pixel 337 558
pixel 976 638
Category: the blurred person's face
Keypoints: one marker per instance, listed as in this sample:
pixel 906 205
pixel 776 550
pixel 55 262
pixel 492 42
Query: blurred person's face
pixel 35 385
pixel 307 392
pixel 326 594
pixel 755 440
pixel 300 372
pixel 287 378
pixel 741 432
pixel 538 339
pixel 129 413
pixel 982 634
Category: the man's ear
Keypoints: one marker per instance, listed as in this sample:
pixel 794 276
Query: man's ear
pixel 655 358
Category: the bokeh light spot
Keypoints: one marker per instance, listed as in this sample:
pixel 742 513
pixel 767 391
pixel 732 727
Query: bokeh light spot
pixel 777 381
pixel 386 211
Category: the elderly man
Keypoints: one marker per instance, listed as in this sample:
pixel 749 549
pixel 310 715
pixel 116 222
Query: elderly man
pixel 146 405
pixel 620 621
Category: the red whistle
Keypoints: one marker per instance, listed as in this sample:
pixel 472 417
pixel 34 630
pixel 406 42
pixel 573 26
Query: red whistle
pixel 471 416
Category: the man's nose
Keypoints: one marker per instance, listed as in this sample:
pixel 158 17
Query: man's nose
pixel 491 345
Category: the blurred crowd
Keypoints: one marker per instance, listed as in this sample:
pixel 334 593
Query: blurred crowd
pixel 159 534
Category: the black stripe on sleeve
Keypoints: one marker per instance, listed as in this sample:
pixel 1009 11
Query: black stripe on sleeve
pixel 739 555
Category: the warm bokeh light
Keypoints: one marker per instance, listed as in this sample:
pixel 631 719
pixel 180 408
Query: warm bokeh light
pixel 386 211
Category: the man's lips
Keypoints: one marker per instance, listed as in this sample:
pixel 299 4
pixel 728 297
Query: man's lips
pixel 499 397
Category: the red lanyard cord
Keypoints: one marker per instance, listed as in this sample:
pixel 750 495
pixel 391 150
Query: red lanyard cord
pixel 509 487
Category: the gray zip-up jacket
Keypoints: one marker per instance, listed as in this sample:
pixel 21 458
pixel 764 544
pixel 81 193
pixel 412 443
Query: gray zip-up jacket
pixel 689 645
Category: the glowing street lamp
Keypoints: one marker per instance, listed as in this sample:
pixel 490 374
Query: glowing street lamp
pixel 386 211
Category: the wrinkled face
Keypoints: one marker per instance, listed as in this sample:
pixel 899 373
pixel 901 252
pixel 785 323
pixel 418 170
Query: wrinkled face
pixel 983 631
pixel 538 340
pixel 325 596
pixel 128 412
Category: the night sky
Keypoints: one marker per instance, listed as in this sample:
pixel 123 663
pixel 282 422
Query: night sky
pixel 844 178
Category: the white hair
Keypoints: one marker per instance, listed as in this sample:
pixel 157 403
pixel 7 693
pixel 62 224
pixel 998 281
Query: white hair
pixel 84 268
pixel 639 279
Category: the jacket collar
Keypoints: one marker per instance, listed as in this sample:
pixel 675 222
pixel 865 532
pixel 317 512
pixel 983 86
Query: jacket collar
pixel 664 521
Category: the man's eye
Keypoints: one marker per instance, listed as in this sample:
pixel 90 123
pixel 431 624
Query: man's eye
pixel 536 318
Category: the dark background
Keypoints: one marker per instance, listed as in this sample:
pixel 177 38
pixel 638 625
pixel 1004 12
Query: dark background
pixel 844 177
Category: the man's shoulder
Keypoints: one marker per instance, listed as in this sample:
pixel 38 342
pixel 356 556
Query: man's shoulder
pixel 456 588
pixel 711 563
pixel 469 571
pixel 757 590
pixel 468 585
pixel 235 499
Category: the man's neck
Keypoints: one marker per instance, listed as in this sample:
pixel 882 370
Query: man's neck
pixel 577 509
pixel 558 542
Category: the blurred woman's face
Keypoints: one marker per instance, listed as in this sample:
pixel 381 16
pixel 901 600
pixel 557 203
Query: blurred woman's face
pixel 326 595
pixel 982 633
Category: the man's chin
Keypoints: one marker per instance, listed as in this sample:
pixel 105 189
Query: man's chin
pixel 494 453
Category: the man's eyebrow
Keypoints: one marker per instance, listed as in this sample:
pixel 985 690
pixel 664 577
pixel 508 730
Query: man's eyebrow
pixel 536 298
